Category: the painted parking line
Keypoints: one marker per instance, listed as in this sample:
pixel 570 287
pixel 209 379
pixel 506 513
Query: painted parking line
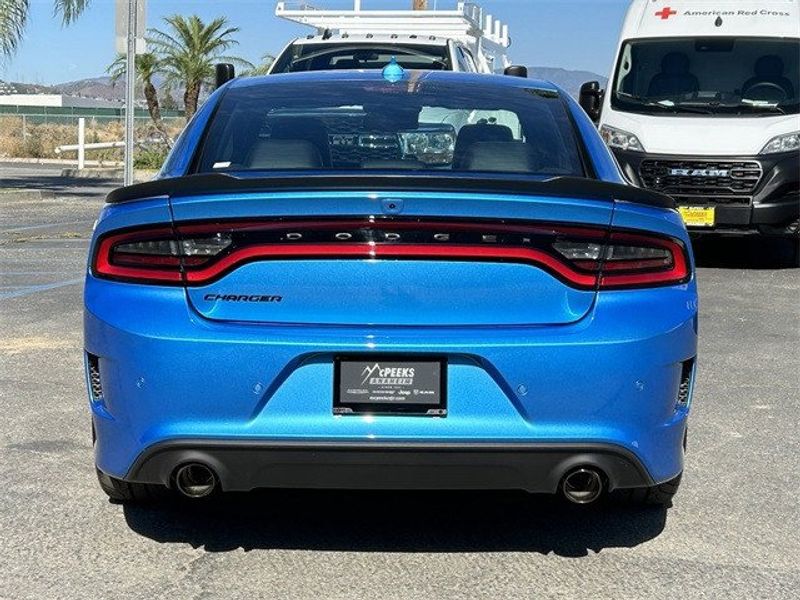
pixel 45 226
pixel 35 289
pixel 30 273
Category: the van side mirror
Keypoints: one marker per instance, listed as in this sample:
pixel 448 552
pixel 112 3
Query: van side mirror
pixel 516 71
pixel 224 73
pixel 591 99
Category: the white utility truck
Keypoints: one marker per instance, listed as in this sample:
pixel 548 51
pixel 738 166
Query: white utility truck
pixel 703 104
pixel 464 38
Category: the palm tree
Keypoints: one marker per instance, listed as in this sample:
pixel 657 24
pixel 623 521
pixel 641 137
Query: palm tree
pixel 147 67
pixel 14 17
pixel 189 50
pixel 262 68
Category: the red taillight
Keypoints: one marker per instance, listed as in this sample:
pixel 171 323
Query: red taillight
pixel 155 255
pixel 582 257
pixel 628 260
pixel 635 260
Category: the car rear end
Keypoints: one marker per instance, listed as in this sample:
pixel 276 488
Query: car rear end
pixel 484 313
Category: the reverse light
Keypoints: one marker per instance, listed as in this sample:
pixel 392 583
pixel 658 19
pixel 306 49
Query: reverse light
pixel 586 258
pixel 782 143
pixel 622 140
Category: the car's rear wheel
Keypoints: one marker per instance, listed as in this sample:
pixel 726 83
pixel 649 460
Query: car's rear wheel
pixel 660 495
pixel 128 492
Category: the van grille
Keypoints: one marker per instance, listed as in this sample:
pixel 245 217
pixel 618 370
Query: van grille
pixel 728 180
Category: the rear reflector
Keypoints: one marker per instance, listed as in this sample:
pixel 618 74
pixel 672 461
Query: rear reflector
pixel 582 257
pixel 685 385
pixel 95 385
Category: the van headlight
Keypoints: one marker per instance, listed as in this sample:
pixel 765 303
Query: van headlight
pixel 782 143
pixel 432 146
pixel 616 138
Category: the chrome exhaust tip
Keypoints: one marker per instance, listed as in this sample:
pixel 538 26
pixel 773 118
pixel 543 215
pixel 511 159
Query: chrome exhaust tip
pixel 583 485
pixel 195 480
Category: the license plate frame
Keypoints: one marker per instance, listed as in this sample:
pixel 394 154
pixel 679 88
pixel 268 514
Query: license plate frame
pixel 698 216
pixel 366 384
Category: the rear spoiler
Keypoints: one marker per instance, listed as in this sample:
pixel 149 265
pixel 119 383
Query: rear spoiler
pixel 220 183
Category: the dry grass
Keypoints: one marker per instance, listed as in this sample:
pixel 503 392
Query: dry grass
pixel 40 139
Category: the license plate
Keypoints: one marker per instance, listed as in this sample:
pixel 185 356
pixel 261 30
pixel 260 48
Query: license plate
pixel 698 216
pixel 383 384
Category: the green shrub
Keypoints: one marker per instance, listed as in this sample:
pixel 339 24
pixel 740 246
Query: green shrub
pixel 149 158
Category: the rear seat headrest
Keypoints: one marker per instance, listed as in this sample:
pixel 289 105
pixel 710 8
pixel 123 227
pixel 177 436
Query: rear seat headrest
pixel 482 132
pixel 284 154
pixel 508 157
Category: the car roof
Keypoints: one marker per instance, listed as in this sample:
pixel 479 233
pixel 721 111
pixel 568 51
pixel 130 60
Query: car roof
pixel 367 75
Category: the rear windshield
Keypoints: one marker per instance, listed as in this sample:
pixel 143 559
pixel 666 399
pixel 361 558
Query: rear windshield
pixel 327 57
pixel 373 124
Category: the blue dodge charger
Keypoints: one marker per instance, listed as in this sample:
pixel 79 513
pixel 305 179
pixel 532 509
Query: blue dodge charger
pixel 390 280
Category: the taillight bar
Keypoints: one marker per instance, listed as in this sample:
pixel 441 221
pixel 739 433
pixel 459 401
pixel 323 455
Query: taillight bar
pixel 196 254
pixel 366 251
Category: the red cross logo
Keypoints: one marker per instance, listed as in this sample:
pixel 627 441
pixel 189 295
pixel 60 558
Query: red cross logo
pixel 666 12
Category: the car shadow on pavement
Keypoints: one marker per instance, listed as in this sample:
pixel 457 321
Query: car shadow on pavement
pixel 60 186
pixel 397 522
pixel 747 252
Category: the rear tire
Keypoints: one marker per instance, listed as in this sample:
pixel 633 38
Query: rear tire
pixel 657 495
pixel 126 492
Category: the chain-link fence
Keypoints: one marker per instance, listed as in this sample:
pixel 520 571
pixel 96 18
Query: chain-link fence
pixel 37 133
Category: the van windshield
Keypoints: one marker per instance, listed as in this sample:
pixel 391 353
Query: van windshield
pixel 723 76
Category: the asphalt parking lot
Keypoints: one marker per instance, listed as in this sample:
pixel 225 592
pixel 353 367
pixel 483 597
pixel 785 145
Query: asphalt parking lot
pixel 732 532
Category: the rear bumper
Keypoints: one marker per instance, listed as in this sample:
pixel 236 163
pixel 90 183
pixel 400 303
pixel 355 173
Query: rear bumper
pixel 773 208
pixel 171 377
pixel 246 465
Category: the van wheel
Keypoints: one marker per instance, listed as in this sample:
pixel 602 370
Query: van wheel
pixel 126 492
pixel 658 495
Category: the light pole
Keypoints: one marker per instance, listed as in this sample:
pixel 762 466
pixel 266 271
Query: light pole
pixel 130 93
pixel 131 21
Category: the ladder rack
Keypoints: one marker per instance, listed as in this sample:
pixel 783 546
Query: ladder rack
pixel 486 36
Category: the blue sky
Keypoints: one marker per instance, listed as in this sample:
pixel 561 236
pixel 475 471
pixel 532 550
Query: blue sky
pixel 574 34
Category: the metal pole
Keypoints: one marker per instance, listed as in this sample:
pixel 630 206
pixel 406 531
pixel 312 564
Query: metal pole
pixel 130 88
pixel 81 143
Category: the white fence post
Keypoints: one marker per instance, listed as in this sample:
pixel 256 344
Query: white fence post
pixel 81 143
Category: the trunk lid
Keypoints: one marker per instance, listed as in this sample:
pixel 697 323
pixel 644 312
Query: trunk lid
pixel 390 258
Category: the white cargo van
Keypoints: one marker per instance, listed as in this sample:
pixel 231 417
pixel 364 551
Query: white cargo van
pixel 703 104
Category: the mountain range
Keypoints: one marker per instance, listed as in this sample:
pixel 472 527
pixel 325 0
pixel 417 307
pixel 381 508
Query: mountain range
pixel 566 78
pixel 102 88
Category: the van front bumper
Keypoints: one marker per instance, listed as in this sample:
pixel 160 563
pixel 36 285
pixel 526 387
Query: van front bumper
pixel 772 207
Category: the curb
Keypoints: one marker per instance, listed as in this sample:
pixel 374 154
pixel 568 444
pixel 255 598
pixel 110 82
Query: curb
pixel 139 175
pixel 75 173
pixel 57 161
